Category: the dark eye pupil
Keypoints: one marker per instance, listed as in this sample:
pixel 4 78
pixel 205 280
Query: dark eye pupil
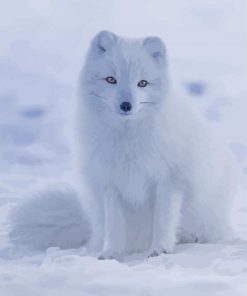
pixel 142 83
pixel 111 80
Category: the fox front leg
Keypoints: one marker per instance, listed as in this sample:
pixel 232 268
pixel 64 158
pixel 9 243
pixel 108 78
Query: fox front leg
pixel 115 236
pixel 166 219
pixel 95 243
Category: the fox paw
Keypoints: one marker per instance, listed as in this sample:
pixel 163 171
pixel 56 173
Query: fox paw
pixel 157 251
pixel 107 255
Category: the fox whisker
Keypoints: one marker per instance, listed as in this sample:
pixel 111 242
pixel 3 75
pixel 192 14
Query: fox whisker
pixel 147 102
pixel 93 94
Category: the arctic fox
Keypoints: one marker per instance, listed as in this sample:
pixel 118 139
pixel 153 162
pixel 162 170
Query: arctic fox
pixel 156 176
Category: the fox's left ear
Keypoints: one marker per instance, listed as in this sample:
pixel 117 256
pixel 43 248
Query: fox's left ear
pixel 155 47
pixel 104 41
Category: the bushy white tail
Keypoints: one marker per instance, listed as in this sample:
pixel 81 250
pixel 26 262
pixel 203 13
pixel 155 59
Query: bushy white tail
pixel 51 218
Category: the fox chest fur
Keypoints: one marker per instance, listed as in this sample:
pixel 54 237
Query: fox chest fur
pixel 129 160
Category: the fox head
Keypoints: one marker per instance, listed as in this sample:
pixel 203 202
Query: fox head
pixel 124 78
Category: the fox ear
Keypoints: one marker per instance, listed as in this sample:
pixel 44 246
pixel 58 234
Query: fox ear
pixel 104 41
pixel 155 47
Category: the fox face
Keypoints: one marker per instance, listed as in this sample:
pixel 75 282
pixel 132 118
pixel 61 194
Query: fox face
pixel 125 78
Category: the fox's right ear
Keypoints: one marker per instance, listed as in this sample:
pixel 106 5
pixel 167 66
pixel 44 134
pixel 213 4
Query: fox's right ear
pixel 155 47
pixel 103 42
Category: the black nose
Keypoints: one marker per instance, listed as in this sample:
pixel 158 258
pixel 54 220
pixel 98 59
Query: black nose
pixel 126 106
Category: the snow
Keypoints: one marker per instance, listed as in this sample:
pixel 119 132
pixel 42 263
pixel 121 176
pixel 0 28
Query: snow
pixel 42 48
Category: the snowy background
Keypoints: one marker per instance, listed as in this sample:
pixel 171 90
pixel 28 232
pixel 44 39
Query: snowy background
pixel 43 43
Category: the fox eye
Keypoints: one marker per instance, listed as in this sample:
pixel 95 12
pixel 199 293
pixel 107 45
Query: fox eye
pixel 111 80
pixel 142 83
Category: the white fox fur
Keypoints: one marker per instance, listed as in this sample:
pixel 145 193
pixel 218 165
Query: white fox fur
pixel 50 218
pixel 156 176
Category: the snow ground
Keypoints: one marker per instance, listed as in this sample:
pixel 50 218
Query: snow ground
pixel 42 49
